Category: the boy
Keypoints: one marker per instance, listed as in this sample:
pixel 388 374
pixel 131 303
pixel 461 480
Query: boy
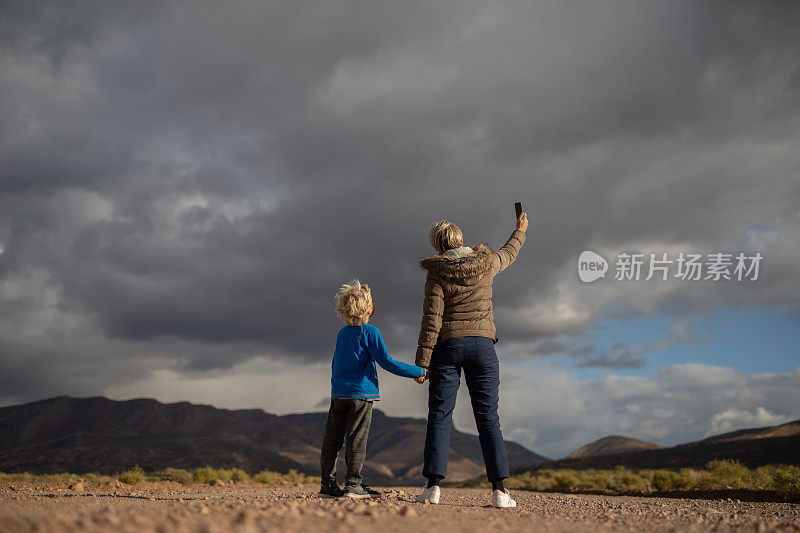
pixel 354 386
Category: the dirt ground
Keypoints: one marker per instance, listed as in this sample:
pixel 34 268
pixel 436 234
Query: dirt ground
pixel 250 507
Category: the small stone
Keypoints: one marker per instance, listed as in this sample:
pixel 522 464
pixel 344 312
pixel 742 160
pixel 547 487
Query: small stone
pixel 77 486
pixel 407 511
pixel 217 483
pixel 204 510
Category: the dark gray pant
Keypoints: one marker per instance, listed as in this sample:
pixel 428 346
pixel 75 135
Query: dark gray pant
pixel 350 418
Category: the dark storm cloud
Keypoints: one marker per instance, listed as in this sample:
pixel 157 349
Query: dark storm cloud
pixel 193 180
pixel 619 356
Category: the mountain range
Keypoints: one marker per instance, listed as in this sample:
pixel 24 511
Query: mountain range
pixel 106 436
pixel 752 447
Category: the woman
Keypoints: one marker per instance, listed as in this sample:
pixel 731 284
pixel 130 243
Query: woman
pixel 458 333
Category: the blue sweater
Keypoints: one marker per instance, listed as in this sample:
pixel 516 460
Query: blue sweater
pixel 353 371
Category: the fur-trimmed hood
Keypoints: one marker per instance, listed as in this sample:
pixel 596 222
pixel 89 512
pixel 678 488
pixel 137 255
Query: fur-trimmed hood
pixel 460 264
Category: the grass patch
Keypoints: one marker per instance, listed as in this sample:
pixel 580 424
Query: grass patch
pixel 137 475
pixel 269 477
pixel 716 475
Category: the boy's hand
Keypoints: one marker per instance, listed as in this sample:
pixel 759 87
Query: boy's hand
pixel 422 378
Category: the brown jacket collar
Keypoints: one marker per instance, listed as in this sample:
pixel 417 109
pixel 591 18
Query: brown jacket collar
pixel 475 264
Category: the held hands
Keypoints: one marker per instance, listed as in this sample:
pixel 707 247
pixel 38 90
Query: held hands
pixel 422 378
pixel 522 222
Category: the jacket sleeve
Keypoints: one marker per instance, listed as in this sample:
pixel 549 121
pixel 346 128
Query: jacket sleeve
pixel 432 310
pixel 508 252
pixel 377 349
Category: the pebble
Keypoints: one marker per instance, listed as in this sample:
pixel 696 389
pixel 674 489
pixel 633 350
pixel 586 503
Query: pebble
pixel 407 511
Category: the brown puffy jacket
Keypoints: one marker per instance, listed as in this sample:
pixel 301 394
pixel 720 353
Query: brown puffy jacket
pixel 458 293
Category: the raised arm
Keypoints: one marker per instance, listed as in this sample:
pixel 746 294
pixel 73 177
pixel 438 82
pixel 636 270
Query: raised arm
pixel 508 252
pixel 432 310
pixel 377 349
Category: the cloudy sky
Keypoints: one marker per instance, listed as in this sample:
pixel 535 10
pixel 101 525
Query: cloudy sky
pixel 184 185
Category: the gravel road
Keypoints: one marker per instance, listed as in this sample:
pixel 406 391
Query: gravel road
pixel 250 507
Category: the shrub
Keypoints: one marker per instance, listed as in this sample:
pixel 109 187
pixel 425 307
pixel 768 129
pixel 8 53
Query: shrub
pixel 564 481
pixel 132 477
pixel 631 481
pixel 664 479
pixel 224 474
pixel 725 473
pixel 716 475
pixel 184 477
pixel 267 477
pixel 17 476
pixel 239 476
pixel 787 481
pixel 689 478
pixel 205 474
pixel 602 480
pixel 763 477
pixel 293 476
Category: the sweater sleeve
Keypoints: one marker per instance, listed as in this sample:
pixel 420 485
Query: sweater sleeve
pixel 508 252
pixel 377 349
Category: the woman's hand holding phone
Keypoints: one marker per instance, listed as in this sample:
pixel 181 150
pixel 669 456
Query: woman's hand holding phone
pixel 522 222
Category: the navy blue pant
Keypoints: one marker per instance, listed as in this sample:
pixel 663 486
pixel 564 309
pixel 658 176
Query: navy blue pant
pixel 477 357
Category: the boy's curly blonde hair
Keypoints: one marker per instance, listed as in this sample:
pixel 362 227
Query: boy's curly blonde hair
pixel 353 303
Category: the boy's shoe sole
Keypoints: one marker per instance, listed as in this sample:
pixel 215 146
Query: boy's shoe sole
pixel 357 496
pixel 324 495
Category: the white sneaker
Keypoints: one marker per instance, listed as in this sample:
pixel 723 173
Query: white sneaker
pixel 430 495
pixel 501 498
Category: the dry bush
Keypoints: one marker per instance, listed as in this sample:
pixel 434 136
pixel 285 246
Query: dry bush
pixel 184 477
pixel 207 474
pixel 133 476
pixel 787 481
pixel 726 474
pixel 239 476
pixel 267 477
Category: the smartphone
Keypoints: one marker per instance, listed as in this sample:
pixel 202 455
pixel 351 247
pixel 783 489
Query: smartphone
pixel 518 209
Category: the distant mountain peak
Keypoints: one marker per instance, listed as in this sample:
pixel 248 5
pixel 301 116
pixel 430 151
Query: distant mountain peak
pixel 612 444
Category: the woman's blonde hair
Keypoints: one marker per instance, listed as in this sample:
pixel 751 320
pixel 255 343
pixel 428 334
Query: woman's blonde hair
pixel 353 303
pixel 445 235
